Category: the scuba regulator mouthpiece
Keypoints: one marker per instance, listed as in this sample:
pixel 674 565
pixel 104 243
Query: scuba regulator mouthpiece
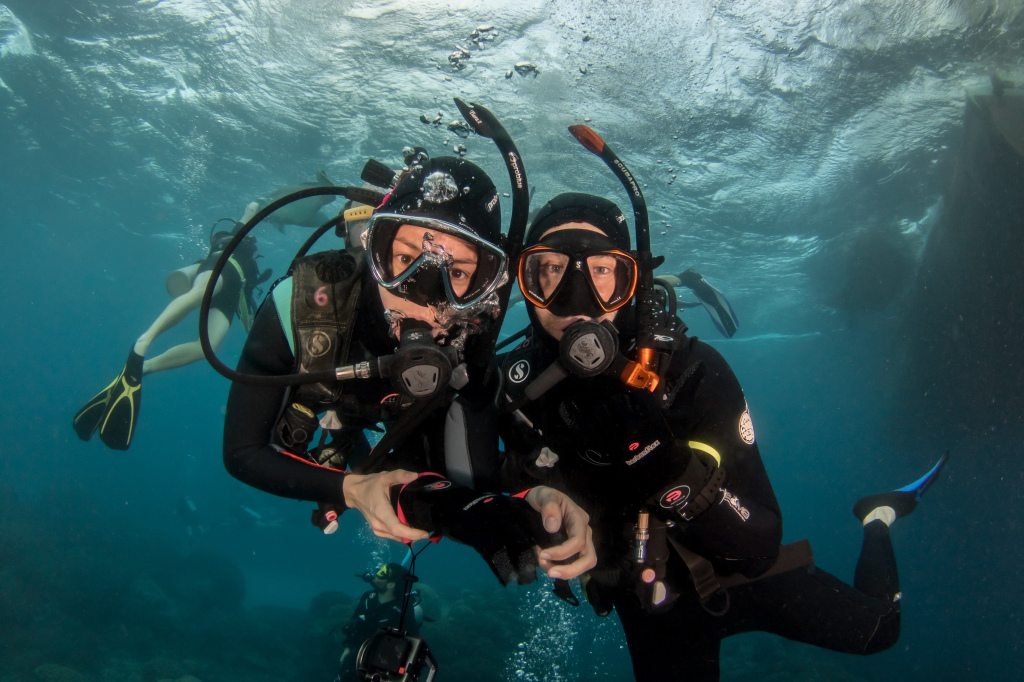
pixel 589 349
pixel 420 368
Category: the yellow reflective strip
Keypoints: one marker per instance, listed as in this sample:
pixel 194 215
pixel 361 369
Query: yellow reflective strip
pixel 243 301
pixel 704 447
pixel 358 213
pixel 241 273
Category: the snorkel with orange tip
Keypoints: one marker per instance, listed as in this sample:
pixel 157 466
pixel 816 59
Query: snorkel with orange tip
pixel 640 373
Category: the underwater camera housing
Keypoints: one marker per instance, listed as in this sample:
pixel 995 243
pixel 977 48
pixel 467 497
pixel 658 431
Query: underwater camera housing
pixel 393 656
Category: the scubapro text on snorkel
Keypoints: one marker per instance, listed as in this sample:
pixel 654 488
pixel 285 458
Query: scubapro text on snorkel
pixel 632 182
pixel 515 166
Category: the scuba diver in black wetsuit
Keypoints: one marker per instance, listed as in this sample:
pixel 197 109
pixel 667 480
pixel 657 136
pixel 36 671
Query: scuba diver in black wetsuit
pixel 659 448
pixel 378 608
pixel 379 334
pixel 114 411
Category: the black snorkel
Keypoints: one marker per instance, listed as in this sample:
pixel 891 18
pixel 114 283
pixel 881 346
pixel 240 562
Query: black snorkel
pixel 485 124
pixel 648 310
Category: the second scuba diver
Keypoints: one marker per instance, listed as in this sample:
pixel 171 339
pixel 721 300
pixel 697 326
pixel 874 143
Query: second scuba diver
pixel 381 607
pixel 114 411
pixel 659 448
pixel 390 316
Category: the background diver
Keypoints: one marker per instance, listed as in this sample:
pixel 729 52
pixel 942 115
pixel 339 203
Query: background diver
pixel 114 411
pixel 378 608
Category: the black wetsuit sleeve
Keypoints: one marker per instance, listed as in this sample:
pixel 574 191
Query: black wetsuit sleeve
pixel 252 413
pixel 742 529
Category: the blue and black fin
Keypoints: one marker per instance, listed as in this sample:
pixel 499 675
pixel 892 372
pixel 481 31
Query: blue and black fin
pixel 904 500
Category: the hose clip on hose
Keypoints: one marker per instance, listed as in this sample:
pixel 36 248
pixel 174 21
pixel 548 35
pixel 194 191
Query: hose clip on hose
pixel 325 517
pixel 360 370
pixel 646 317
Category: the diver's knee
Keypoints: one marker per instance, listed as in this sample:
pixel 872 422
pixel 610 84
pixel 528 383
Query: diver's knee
pixel 885 635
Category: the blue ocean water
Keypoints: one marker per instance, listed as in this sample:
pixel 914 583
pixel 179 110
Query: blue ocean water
pixel 772 137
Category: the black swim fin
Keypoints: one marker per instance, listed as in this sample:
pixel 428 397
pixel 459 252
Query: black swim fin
pixel 903 500
pixel 114 410
pixel 714 301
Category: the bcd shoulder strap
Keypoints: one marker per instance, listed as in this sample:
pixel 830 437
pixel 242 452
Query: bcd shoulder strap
pixel 325 292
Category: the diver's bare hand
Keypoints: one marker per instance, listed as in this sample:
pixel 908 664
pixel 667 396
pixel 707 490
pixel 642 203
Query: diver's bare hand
pixel 371 495
pixel 559 511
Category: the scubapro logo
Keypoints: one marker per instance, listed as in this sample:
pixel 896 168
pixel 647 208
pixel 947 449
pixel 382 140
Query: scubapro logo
pixel 519 372
pixel 318 344
pixel 734 503
pixel 643 453
pixel 515 169
pixel 746 427
pixel 675 497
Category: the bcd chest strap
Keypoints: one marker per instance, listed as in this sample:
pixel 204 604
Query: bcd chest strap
pixel 325 292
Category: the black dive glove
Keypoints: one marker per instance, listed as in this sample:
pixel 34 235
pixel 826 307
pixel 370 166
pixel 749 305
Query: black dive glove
pixel 502 529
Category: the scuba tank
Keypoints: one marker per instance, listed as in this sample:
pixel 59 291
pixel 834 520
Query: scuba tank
pixel 179 282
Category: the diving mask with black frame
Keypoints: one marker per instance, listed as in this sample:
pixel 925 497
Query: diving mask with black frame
pixel 479 356
pixel 432 262
pixel 574 272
